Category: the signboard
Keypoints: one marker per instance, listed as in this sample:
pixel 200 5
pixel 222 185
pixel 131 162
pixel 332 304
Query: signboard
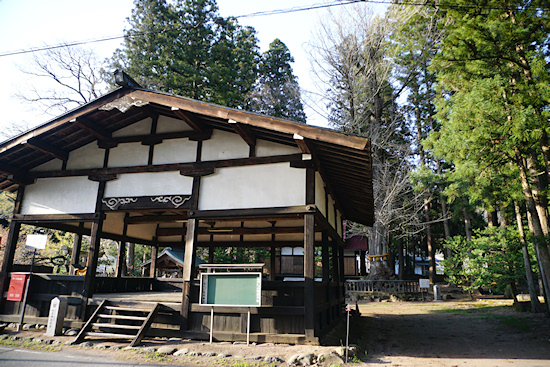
pixel 16 290
pixel 424 283
pixel 231 289
pixel 37 241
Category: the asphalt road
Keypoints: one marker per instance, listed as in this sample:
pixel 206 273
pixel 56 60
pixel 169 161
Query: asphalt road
pixel 15 357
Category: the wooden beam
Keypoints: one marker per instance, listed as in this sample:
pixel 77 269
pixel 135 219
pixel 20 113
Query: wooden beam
pixel 309 274
pixel 75 253
pixel 191 167
pixel 37 218
pixel 93 128
pixel 156 219
pixel 197 126
pixel 162 232
pixel 302 144
pixel 271 213
pixel 48 149
pixel 266 122
pixel 244 132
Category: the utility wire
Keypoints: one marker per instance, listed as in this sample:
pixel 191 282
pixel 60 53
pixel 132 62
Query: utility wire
pixel 251 15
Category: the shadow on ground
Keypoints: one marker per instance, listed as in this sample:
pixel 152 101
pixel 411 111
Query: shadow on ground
pixel 449 330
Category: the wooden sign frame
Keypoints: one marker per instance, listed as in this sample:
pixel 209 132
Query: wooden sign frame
pixel 220 289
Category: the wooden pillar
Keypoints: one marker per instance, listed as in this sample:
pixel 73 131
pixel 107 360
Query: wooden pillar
pixel 11 244
pixel 95 239
pixel 325 257
pixel 120 259
pixel 211 250
pixel 154 254
pixel 75 253
pixel 309 273
pixel 341 270
pixel 335 271
pixel 272 262
pixel 91 262
pixel 188 265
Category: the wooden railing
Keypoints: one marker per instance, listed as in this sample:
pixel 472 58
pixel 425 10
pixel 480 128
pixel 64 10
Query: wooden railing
pixel 382 286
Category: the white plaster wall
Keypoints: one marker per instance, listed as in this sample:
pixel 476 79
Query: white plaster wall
pixel 331 218
pixel 63 195
pixel 260 186
pixel 149 184
pixel 144 231
pixel 129 154
pixel 224 145
pixel 88 156
pixel 142 127
pixel 51 165
pixel 320 194
pixel 339 224
pixel 167 124
pixel 266 148
pixel 114 223
pixel 175 151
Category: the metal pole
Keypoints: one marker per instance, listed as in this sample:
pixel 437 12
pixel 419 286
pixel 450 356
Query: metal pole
pixel 248 328
pixel 211 323
pixel 347 335
pixel 26 293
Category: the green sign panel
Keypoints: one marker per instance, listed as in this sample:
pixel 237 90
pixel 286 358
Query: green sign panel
pixel 231 289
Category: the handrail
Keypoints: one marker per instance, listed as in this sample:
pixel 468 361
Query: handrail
pixel 383 286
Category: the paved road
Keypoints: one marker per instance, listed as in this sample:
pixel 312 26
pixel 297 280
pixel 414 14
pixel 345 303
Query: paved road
pixel 15 357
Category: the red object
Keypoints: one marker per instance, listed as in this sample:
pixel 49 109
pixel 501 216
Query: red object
pixel 17 286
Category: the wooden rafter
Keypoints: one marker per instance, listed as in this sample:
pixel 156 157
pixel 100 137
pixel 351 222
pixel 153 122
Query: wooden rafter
pixel 93 128
pixel 197 126
pixel 47 148
pixel 244 132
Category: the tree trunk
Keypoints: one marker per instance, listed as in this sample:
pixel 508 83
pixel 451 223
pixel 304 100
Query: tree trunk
pixel 378 246
pixel 130 261
pixel 535 304
pixel 543 257
pixel 538 186
pixel 401 261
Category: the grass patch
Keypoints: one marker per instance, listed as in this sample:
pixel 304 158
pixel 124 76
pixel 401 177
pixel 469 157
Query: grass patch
pixel 30 345
pixel 476 309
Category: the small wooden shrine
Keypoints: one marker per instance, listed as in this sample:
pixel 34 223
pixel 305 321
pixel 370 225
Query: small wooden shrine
pixel 161 170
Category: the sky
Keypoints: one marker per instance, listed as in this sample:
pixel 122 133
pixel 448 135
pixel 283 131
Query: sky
pixel 26 24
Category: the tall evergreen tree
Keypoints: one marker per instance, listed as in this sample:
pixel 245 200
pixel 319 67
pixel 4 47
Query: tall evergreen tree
pixel 493 78
pixel 277 92
pixel 186 48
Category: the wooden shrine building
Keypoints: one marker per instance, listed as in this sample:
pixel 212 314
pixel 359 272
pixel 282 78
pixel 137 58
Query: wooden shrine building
pixel 162 170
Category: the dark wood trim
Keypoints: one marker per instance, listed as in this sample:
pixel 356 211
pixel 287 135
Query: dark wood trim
pixel 146 202
pixel 271 213
pixel 239 231
pixel 93 129
pixel 259 121
pixel 310 186
pixel 122 250
pixel 99 178
pixel 324 225
pixel 95 240
pixel 152 142
pixel 156 218
pixel 325 256
pixel 38 218
pixel 185 117
pixel 182 167
pixel 244 132
pixel 309 275
pixel 204 171
pixel 47 149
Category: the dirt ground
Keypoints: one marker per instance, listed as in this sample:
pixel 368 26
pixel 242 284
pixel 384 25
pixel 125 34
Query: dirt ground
pixel 449 333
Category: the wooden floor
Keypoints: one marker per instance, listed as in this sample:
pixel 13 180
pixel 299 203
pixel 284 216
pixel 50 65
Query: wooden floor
pixel 161 297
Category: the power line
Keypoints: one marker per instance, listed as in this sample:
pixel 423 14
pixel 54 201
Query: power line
pixel 251 15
